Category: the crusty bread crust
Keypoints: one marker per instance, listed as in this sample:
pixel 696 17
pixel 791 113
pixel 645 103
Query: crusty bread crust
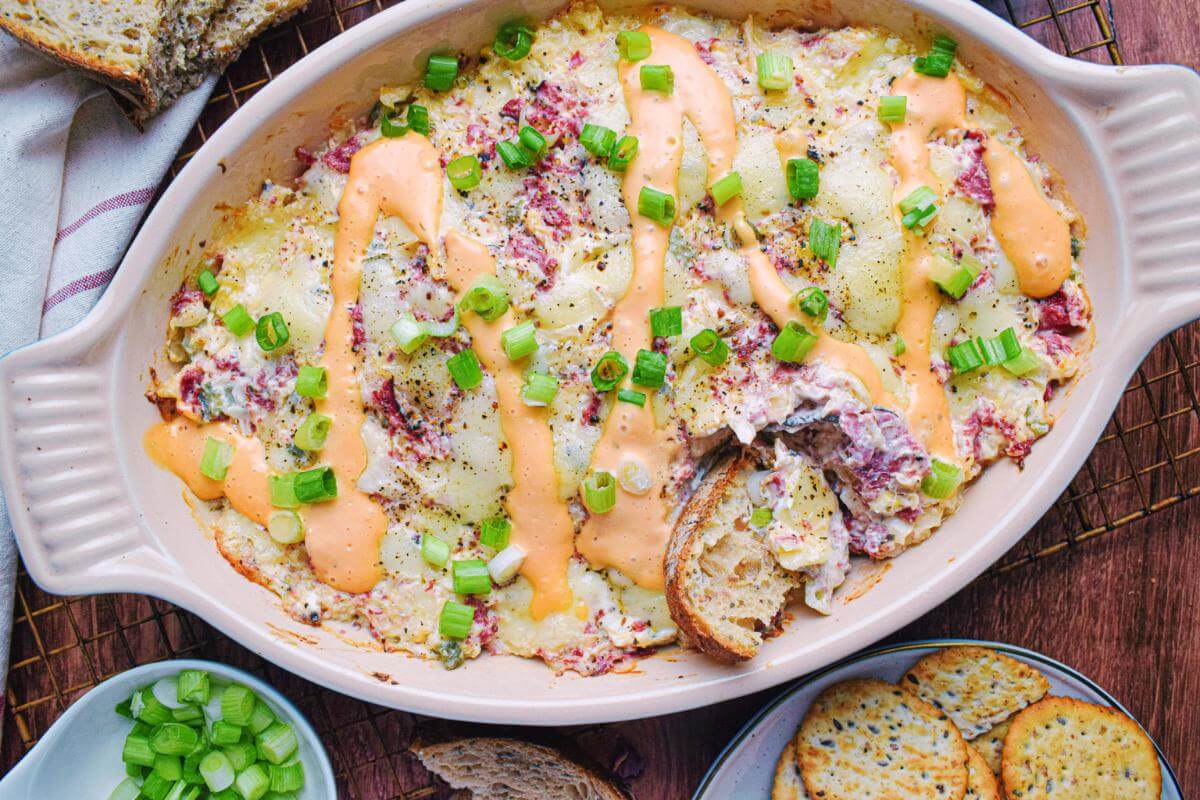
pixel 122 79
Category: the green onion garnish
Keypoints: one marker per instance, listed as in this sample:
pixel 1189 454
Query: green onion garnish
pixel 710 347
pixel 285 526
pixel 464 368
pixel 539 389
pixel 315 485
pixel 271 332
pixel 899 347
pixel 955 279
pixel 622 153
pixel 1001 348
pixel 238 320
pixel 656 205
pixel 286 777
pixel 824 240
pixel 532 139
pixel 252 782
pixel 487 297
pixel 1009 342
pixel 137 750
pixel 216 771
pixel 312 382
pixel 207 283
pixel 803 178
pixel 455 620
pixel 169 767
pixel 657 78
pixel 633 45
pixel 418 119
pixel 223 733
pixel 261 718
pixel 813 302
pixel 598 140
pixel 435 551
pixel 390 127
pixel 942 480
pixel 471 576
pixel 277 743
pixel 173 739
pixel 192 686
pixel 519 340
pixel 237 704
pixel 726 188
pixel 964 357
pixel 609 371
pixel 1022 363
pixel 283 491
pixel 919 207
pixel 649 369
pixel 217 457
pixel 761 517
pixel 513 41
pixel 312 432
pixel 127 789
pixel 440 72
pixel 494 533
pixel 241 754
pixel 793 343
pixel 409 334
pixel 666 321
pixel 464 172
pixel 775 71
pixel 892 108
pixel 940 58
pixel 514 155
pixel 632 396
pixel 600 492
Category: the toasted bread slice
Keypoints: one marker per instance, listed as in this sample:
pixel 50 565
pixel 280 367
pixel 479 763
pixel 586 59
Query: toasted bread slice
pixel 515 770
pixel 239 22
pixel 724 587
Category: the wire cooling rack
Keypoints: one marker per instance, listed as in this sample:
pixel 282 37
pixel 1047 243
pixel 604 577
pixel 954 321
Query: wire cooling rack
pixel 1147 459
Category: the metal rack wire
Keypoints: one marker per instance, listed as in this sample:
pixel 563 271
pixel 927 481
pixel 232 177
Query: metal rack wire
pixel 1147 459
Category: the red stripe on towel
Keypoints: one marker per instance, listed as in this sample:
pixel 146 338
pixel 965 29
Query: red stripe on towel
pixel 136 197
pixel 78 286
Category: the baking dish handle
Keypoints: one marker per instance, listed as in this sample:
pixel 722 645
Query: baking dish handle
pixel 1146 124
pixel 64 483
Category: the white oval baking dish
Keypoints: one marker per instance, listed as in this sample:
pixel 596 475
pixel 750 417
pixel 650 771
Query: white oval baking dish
pixel 92 514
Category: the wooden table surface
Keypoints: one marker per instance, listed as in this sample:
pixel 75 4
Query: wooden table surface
pixel 1120 602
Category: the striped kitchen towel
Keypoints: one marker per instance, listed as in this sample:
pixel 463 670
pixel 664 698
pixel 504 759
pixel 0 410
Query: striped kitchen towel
pixel 75 179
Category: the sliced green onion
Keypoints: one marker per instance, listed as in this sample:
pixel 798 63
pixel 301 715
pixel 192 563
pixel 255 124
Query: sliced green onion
pixel 287 777
pixel 494 533
pixel 238 320
pixel 283 491
pixel 622 153
pixel 1009 342
pixel 710 347
pixel 899 347
pixel 632 396
pixel 390 127
pixel 600 492
pixel 813 302
pixel 217 457
pixel 137 750
pixel 955 279
pixel 775 71
pixel 285 527
pixel 471 576
pixel 409 334
pixel 464 369
pixel 514 155
pixel 127 789
pixel 455 620
pixel 609 371
pixel 311 434
pixel 464 172
pixel 666 321
pixel 418 119
pixel 761 517
pixel 1022 363
pixel 633 45
pixel 252 782
pixel 223 733
pixel 793 343
pixel 192 686
pixel 940 58
pixel 539 389
pixel 440 72
pixel 824 240
pixel 216 771
pixel 649 369
pixel 207 283
pixel 435 551
pixel 168 767
pixel 271 332
pixel 190 715
pixel 262 717
pixel 656 205
pixel 532 139
pixel 942 480
pixel 277 743
pixel 312 382
pixel 919 207
pixel 1001 348
pixel 487 297
pixel 315 485
pixel 519 340
pixel 598 140
pixel 503 566
pixel 657 78
pixel 155 787
pixel 237 704
pixel 726 188
pixel 964 357
pixel 803 178
pixel 173 739
pixel 513 41
pixel 240 754
pixel 149 709
pixel 893 108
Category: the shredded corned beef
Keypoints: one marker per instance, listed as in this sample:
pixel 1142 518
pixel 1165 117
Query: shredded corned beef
pixel 576 60
pixel 191 380
pixel 185 297
pixel 523 244
pixel 358 331
pixel 986 421
pixel 704 50
pixel 425 440
pixel 556 111
pixel 974 181
pixel 304 156
pixel 512 109
pixel 339 157
pixel 1062 312
pixel 591 412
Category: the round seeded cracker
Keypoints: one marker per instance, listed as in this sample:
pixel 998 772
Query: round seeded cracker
pixel 981 781
pixel 991 744
pixel 867 739
pixel 978 688
pixel 788 784
pixel 1065 749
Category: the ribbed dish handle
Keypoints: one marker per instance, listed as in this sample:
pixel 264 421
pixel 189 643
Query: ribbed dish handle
pixel 1147 126
pixel 76 526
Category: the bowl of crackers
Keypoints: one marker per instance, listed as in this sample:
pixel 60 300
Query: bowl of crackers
pixel 946 719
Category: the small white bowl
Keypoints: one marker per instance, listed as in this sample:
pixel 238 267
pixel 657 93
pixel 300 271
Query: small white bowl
pixel 81 753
